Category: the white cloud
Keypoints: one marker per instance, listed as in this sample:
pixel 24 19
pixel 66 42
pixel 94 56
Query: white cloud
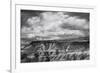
pixel 33 21
pixel 49 24
pixel 77 22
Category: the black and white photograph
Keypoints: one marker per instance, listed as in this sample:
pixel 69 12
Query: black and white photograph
pixel 52 36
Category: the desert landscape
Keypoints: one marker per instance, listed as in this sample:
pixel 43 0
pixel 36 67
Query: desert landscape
pixel 49 36
pixel 55 50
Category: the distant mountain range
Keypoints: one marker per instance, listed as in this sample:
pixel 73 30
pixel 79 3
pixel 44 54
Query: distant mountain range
pixel 79 39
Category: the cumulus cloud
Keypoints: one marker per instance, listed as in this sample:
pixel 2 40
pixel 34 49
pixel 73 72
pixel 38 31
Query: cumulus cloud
pixel 53 24
pixel 77 22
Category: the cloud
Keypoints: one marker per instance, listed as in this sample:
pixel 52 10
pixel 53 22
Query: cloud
pixel 53 24
pixel 76 22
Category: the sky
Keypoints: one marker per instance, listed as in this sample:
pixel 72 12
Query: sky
pixel 51 25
